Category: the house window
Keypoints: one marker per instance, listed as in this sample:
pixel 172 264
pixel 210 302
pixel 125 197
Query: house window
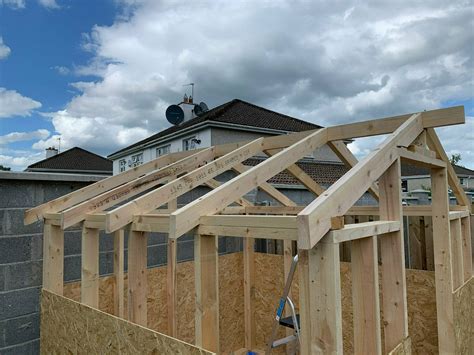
pixel 461 181
pixel 136 160
pixel 122 165
pixel 405 185
pixel 189 143
pixel 165 149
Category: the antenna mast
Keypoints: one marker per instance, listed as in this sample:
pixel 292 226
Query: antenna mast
pixel 192 88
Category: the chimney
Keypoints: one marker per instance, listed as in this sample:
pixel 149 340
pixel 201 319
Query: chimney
pixel 51 152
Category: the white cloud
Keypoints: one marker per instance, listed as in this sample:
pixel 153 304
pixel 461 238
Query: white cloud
pixel 14 104
pixel 23 136
pixel 61 69
pixel 49 4
pixel 351 61
pixel 21 160
pixel 4 49
pixel 14 4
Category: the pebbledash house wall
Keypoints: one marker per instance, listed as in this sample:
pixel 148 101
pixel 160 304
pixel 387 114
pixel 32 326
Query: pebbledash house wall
pixel 21 248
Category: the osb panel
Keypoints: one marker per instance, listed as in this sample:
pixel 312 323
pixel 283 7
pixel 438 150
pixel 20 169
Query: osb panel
pixel 231 300
pixel 422 323
pixel 404 348
pixel 269 286
pixel 464 318
pixel 70 327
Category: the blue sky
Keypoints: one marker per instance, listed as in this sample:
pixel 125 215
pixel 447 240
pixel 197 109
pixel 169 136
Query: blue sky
pixel 46 46
pixel 100 74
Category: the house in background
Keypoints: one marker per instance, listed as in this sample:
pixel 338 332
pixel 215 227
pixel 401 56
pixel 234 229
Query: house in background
pixel 234 121
pixel 417 178
pixel 73 161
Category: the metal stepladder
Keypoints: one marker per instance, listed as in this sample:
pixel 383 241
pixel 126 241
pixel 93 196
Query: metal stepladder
pixel 292 321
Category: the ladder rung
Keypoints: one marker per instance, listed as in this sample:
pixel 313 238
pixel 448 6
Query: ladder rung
pixel 283 341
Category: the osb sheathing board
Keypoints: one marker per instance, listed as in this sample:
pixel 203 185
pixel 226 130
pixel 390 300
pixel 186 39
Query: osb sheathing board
pixel 464 318
pixel 231 299
pixel 269 286
pixel 69 327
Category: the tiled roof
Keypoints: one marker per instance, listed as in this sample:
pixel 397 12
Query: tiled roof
pixel 74 160
pixel 237 112
pixel 411 170
pixel 322 173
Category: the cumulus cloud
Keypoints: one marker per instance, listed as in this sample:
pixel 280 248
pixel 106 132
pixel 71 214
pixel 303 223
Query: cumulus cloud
pixel 4 49
pixel 14 4
pixel 20 160
pixel 24 136
pixel 326 64
pixel 14 104
pixel 49 4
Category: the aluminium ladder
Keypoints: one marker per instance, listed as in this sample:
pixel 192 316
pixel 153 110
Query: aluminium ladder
pixel 289 322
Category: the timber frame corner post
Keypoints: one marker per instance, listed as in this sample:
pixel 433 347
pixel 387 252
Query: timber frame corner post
pixel 316 230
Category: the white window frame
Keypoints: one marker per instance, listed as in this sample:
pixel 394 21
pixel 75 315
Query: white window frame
pixel 122 165
pixel 135 160
pixel 191 145
pixel 165 148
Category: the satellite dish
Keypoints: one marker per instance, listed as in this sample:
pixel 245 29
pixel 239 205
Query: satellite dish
pixel 198 110
pixel 203 106
pixel 174 114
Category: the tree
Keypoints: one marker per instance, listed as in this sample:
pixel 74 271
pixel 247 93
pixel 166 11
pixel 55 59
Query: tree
pixel 455 158
pixel 4 168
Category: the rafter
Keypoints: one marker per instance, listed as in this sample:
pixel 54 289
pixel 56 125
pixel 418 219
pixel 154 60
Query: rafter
pixel 123 215
pixel 186 218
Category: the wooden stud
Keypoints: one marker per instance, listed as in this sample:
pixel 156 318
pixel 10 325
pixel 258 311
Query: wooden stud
pixel 365 296
pixel 443 262
pixel 53 258
pixel 171 287
pixel 320 312
pixel 415 244
pixel 287 261
pixel 137 277
pixel 119 246
pixel 457 253
pixel 392 254
pixel 249 293
pixel 453 180
pixel 466 248
pixel 90 267
pixel 207 292
pixel 428 225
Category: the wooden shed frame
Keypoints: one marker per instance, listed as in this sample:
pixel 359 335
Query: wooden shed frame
pixel 317 229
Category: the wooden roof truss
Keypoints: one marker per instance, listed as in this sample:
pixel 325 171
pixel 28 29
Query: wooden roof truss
pixel 134 201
